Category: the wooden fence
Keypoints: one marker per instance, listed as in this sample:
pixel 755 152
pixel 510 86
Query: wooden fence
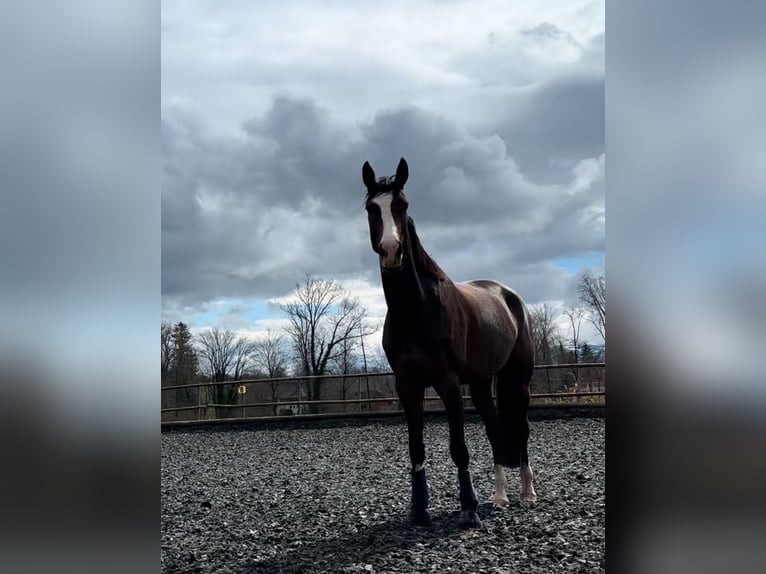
pixel 344 395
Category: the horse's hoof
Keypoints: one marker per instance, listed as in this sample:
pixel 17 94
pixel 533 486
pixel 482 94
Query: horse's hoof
pixel 528 497
pixel 421 518
pixel 500 501
pixel 469 519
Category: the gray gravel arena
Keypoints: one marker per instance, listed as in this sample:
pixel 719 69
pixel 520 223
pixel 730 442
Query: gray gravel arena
pixel 334 497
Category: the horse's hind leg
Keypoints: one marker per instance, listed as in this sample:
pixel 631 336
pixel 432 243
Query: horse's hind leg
pixel 481 395
pixel 513 398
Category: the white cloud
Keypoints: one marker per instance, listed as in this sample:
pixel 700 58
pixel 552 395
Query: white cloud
pixel 358 58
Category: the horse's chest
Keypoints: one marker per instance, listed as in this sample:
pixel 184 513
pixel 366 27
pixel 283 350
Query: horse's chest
pixel 425 363
pixel 411 350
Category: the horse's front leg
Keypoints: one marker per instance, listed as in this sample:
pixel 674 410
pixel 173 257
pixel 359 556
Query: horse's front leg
pixel 412 403
pixel 451 393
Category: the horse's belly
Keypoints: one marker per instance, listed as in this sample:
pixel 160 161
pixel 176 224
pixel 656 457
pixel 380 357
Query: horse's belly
pixel 490 341
pixel 487 360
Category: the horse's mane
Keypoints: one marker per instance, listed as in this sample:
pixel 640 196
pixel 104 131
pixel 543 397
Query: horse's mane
pixel 385 184
pixel 423 261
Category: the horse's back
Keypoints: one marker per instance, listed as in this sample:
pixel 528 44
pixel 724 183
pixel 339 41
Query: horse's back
pixel 513 302
pixel 512 299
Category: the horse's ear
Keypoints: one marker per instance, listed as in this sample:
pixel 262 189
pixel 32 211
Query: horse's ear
pixel 368 175
pixel 402 173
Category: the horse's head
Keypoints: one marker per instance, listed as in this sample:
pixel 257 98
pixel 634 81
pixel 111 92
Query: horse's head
pixel 386 207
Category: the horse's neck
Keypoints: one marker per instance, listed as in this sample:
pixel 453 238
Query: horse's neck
pixel 403 290
pixel 425 268
pixel 409 292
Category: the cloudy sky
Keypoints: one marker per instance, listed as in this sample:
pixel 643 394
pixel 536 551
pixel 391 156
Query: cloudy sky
pixel 268 114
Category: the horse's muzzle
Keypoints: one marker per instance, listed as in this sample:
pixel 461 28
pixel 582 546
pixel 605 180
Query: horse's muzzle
pixel 390 256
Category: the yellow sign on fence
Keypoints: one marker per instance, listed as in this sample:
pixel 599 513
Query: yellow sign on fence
pixel 241 389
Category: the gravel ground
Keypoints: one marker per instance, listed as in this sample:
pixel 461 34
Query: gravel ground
pixel 334 497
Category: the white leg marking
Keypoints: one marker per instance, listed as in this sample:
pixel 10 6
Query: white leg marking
pixel 500 498
pixel 419 467
pixel 528 493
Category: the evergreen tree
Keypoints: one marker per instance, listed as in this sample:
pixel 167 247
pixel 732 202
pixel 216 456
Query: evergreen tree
pixel 184 363
pixel 587 354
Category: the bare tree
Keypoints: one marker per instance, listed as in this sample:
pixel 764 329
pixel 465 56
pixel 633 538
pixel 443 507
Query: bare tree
pixel 591 291
pixel 545 331
pixel 227 357
pixel 575 316
pixel 270 357
pixel 322 317
pixel 379 364
pixel 243 357
pixel 217 349
pixel 345 360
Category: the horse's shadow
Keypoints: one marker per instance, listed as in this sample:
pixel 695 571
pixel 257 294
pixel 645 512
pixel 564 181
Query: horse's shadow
pixel 333 554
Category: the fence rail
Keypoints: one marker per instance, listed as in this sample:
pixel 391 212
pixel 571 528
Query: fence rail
pixel 297 378
pixel 343 395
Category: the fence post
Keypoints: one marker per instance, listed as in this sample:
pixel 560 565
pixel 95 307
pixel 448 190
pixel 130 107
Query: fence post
pixel 275 398
pixel 300 405
pixel 367 383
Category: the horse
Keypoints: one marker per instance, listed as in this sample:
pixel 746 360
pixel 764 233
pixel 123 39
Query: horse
pixel 444 334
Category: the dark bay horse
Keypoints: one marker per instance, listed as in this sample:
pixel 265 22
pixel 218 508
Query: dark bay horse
pixel 444 334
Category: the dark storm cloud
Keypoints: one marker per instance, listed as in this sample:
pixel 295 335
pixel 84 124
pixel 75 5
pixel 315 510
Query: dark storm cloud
pixel 554 115
pixel 247 216
pixel 557 125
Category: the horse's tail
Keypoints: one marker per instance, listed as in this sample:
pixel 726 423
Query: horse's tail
pixel 513 393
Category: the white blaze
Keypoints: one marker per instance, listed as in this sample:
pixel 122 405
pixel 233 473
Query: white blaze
pixel 390 238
